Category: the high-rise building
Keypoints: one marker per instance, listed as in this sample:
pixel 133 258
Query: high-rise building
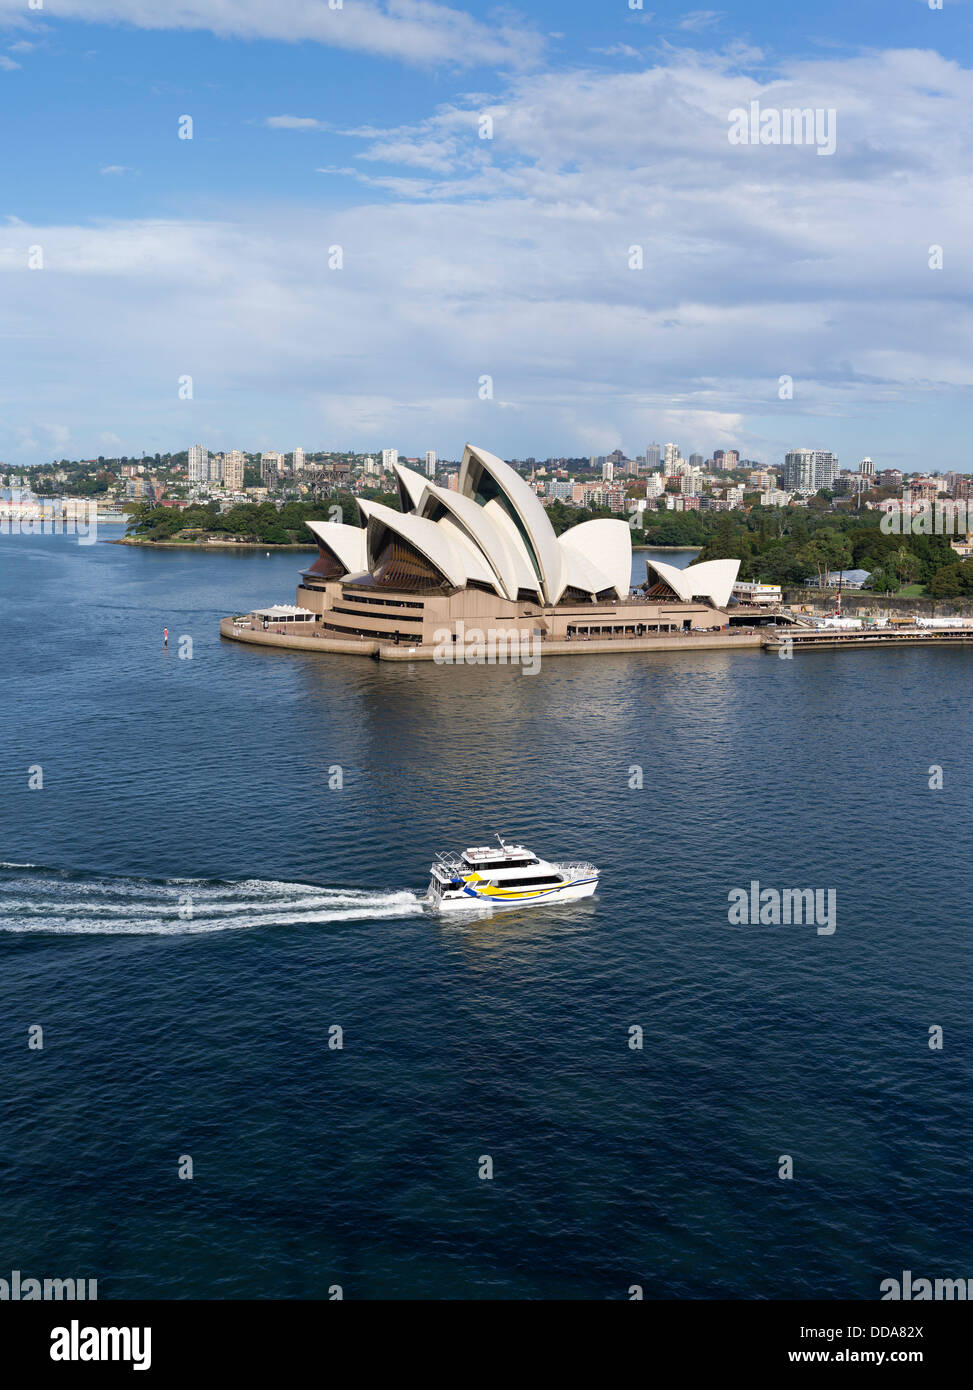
pixel 614 498
pixel 271 467
pixel 718 456
pixel 866 468
pixel 731 458
pixel 653 456
pixel 430 463
pixel 671 460
pixel 299 460
pixel 825 468
pixel 233 463
pixel 390 458
pixel 198 464
pixel 799 470
pixel 217 468
pixel 607 471
pixel 696 460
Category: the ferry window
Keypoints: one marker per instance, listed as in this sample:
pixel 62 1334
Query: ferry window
pixel 530 882
pixel 503 863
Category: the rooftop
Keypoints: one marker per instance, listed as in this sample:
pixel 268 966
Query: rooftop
pixel 282 610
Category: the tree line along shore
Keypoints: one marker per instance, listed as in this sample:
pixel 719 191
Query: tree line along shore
pixel 775 545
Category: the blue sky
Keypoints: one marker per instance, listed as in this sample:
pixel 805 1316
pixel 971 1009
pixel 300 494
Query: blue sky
pixel 463 257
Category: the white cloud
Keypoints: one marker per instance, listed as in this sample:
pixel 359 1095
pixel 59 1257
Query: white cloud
pixel 116 169
pixel 412 31
pixel 511 258
pixel 618 50
pixel 700 19
pixel 8 64
pixel 294 123
pixel 58 435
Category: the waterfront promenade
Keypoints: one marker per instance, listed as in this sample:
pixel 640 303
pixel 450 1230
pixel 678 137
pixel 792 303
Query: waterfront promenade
pixel 803 639
pixel 240 630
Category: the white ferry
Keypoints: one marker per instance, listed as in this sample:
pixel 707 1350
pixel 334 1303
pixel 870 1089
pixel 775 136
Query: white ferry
pixel 505 876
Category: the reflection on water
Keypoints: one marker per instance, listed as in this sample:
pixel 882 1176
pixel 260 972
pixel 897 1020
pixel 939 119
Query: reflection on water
pixel 487 934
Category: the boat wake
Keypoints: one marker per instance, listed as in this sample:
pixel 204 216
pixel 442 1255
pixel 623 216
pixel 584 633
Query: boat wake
pixel 38 899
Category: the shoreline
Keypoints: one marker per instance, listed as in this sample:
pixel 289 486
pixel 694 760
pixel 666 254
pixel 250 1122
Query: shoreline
pixel 205 545
pixel 761 639
pixel 380 650
pixel 271 545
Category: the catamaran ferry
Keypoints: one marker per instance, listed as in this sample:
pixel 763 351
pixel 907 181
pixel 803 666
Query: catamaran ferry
pixel 508 876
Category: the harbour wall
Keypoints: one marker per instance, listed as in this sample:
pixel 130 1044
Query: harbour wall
pixel 735 639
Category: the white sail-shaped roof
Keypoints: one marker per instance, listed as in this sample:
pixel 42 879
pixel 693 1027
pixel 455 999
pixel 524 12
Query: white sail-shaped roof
pixel 508 560
pixel 598 556
pixel 456 561
pixel 713 579
pixel 478 564
pixel 346 543
pixel 410 485
pixel 505 523
pixel 508 491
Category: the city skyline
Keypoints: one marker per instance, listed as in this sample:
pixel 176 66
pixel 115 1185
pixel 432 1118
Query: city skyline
pixel 653 457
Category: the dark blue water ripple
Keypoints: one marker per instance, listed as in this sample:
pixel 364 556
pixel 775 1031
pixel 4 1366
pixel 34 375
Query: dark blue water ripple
pixel 207 779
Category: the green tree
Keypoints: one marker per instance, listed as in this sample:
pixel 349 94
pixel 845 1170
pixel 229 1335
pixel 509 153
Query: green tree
pixel 946 583
pixel 908 566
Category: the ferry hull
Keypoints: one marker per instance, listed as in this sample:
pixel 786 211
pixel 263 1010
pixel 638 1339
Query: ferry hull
pixel 472 899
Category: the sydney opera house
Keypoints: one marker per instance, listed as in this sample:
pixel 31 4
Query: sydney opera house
pixel 486 556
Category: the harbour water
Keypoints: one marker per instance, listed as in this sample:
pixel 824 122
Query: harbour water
pixel 223 865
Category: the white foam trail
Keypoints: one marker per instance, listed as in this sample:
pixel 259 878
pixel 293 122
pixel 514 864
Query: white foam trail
pixel 59 905
pixel 144 927
pixel 174 907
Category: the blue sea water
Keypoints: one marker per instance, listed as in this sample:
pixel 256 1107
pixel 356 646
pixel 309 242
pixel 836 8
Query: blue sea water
pixel 172 782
